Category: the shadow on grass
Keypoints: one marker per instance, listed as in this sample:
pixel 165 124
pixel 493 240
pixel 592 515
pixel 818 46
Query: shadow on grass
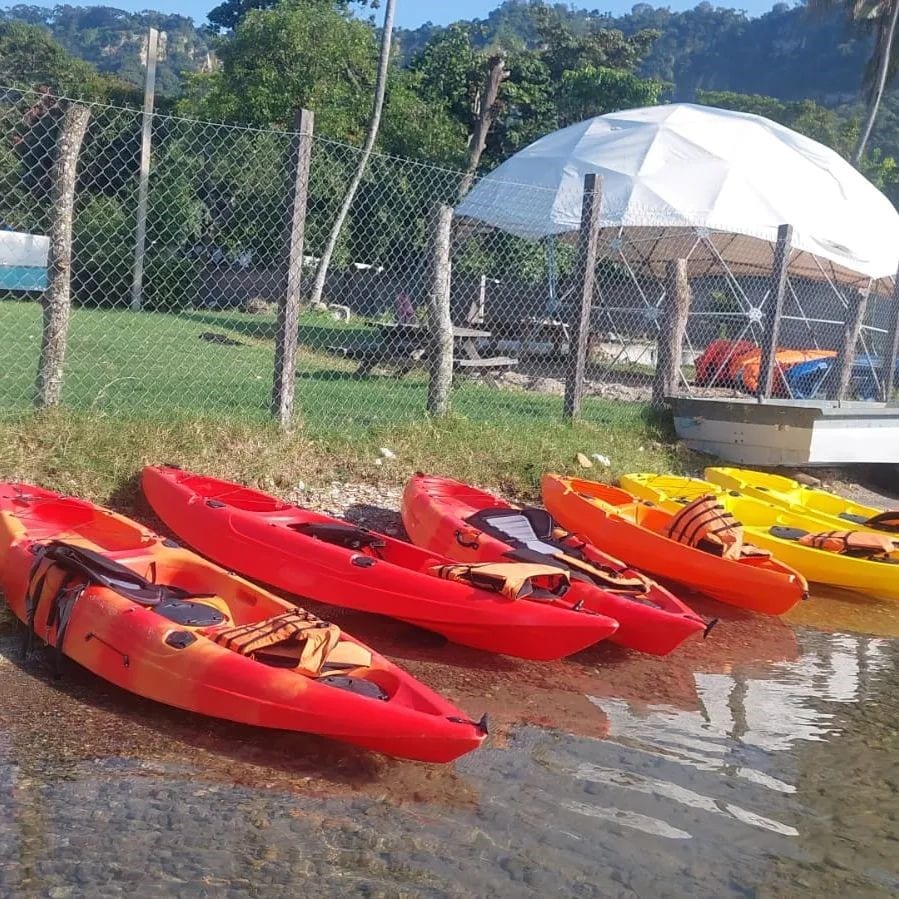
pixel 318 336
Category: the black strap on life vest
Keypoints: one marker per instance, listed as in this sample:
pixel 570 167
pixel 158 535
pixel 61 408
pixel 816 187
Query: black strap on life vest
pixel 80 569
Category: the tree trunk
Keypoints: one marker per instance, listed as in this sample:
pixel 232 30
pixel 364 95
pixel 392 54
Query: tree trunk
pixel 883 66
pixel 486 113
pixel 57 298
pixel 321 274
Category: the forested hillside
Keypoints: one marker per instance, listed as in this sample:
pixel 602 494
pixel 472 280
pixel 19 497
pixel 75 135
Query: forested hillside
pixel 787 53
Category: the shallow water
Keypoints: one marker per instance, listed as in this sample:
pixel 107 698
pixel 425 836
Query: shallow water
pixel 761 762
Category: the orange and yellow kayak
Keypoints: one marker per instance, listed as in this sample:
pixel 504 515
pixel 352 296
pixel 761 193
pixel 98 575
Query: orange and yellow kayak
pixel 160 621
pixel 635 531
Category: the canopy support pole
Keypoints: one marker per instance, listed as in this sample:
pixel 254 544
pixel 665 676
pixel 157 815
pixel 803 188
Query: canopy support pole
pixel 672 327
pixel 855 316
pixel 772 321
pixel 585 281
pixel 891 356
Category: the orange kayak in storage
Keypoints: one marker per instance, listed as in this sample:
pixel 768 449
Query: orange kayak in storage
pixel 636 531
pixel 160 621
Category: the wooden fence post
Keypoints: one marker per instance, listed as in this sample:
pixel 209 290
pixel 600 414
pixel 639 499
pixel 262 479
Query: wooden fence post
pixel 891 355
pixel 672 326
pixel 772 322
pixel 140 233
pixel 57 300
pixel 440 350
pixel 852 328
pixel 284 381
pixel 585 279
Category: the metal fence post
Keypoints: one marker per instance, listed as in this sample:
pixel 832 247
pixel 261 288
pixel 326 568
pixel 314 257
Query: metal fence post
pixel 891 356
pixel 672 326
pixel 140 234
pixel 284 381
pixel 772 321
pixel 585 279
pixel 440 356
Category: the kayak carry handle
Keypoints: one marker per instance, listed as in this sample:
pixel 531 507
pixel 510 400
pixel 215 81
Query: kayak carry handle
pixel 471 544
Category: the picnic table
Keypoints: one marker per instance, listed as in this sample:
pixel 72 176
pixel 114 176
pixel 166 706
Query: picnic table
pixel 406 345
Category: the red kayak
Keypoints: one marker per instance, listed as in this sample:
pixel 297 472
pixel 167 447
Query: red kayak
pixel 160 621
pixel 525 611
pixel 470 525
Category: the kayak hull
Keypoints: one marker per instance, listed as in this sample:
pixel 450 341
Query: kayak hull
pixel 633 531
pixel 791 495
pixel 435 512
pixel 758 517
pixel 128 644
pixel 257 535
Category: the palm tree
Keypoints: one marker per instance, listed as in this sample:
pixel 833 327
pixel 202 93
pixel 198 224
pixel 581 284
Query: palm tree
pixel 377 105
pixel 880 17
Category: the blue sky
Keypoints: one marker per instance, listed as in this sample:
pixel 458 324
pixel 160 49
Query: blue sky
pixel 410 13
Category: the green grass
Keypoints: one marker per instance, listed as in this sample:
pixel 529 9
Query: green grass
pixel 145 387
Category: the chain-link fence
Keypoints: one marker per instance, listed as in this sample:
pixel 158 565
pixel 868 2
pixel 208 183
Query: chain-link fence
pixel 196 331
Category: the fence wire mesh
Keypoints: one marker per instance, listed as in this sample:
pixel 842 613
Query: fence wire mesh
pixel 198 335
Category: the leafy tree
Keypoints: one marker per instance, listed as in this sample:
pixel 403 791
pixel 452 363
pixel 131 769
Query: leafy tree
pixel 592 91
pixel 30 58
pixel 302 53
pixel 228 14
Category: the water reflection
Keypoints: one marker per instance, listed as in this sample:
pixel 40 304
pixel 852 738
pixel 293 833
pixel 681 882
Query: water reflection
pixel 762 763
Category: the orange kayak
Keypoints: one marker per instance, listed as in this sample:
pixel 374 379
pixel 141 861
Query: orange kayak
pixel 635 531
pixel 473 526
pixel 160 621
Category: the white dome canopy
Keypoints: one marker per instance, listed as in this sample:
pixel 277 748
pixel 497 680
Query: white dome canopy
pixel 673 173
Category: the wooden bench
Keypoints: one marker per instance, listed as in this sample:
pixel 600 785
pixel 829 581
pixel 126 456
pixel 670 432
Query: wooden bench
pixel 486 362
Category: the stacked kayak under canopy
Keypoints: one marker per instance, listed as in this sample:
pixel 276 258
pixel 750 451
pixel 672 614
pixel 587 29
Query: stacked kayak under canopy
pixel 525 610
pixel 474 526
pixel 160 621
pixel 639 532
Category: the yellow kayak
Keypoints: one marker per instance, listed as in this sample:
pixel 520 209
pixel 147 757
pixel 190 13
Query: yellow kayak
pixel 776 530
pixel 793 496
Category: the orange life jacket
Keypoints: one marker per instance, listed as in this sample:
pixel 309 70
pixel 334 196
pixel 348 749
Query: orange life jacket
pixel 851 543
pixel 314 643
pixel 705 524
pixel 514 580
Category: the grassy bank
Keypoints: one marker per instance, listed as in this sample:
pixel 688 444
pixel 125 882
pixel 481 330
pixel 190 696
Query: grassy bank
pixel 97 456
pixel 194 388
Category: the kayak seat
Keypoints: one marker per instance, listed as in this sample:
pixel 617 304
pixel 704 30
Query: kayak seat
pixel 885 521
pixel 855 519
pixel 785 533
pixel 528 528
pixel 348 536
